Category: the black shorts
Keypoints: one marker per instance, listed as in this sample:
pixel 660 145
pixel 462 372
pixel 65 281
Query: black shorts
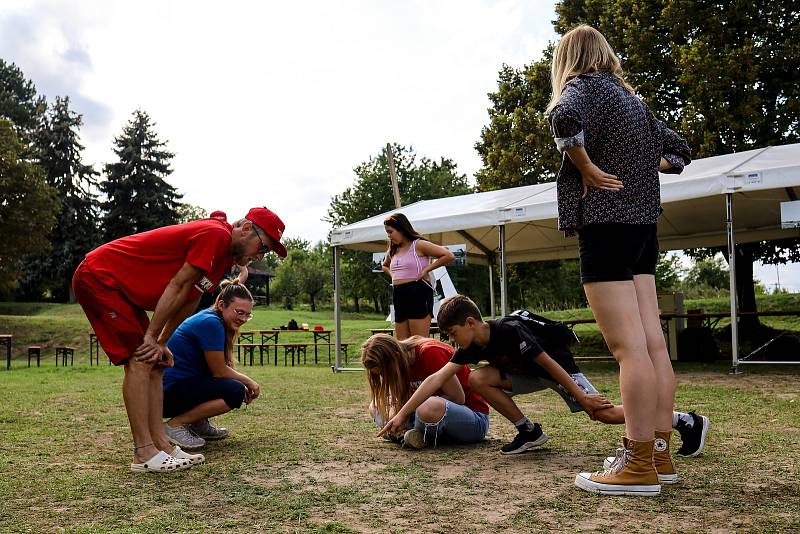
pixel 185 394
pixel 612 252
pixel 413 300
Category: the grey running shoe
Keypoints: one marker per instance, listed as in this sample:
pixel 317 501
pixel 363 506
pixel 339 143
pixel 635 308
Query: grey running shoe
pixel 183 437
pixel 413 438
pixel 207 431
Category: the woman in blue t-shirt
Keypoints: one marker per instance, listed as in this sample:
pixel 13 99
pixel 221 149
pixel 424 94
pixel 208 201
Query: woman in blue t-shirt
pixel 203 382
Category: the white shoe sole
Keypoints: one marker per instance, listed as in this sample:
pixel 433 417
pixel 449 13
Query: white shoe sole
pixel 662 479
pixel 706 424
pixel 583 481
pixel 161 463
pixel 529 445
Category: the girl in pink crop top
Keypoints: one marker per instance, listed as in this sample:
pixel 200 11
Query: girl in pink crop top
pixel 408 265
pixel 407 262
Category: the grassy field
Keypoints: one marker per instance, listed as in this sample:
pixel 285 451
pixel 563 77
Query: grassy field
pixel 304 458
pixel 49 325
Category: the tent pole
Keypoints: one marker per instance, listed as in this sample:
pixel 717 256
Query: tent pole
pixel 491 287
pixel 337 308
pixel 732 276
pixel 503 281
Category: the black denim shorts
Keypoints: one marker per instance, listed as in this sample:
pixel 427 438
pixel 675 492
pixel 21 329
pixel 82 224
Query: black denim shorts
pixel 611 252
pixel 413 300
pixel 187 393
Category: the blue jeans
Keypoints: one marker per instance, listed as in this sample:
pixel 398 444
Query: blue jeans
pixel 459 424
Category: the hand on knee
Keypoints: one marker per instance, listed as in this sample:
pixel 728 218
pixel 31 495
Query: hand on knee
pixel 134 366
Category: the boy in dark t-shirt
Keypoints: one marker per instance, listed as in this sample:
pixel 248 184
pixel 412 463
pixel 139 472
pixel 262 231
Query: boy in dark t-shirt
pixel 519 363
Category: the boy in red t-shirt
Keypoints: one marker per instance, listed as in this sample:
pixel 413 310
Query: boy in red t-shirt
pixel 396 368
pixel 165 271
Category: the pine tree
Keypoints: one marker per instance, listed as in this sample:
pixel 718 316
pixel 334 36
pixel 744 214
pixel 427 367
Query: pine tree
pixel 58 151
pixel 138 198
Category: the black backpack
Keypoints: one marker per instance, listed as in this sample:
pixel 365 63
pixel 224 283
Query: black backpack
pixel 551 333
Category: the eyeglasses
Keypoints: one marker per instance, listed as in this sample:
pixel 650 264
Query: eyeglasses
pixel 241 314
pixel 263 249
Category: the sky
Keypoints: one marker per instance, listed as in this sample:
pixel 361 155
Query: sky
pixel 274 104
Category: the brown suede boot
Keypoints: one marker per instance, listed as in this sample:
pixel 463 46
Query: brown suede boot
pixel 662 459
pixel 631 473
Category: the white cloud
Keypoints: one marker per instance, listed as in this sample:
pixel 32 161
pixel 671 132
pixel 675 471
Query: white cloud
pixel 274 104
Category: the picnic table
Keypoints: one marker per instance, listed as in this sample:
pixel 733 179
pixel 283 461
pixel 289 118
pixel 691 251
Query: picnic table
pixel 269 338
pixel 5 339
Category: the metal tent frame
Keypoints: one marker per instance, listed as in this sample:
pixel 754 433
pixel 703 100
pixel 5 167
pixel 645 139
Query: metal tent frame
pixel 520 224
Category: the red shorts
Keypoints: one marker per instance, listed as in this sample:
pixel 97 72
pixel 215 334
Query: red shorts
pixel 119 325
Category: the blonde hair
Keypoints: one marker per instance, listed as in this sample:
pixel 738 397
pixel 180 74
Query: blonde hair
pixel 229 290
pixel 582 49
pixel 391 386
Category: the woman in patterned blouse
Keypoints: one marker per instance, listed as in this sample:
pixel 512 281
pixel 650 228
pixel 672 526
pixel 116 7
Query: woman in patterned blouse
pixel 608 192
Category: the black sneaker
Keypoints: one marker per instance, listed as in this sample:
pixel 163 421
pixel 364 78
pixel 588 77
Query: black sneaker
pixel 694 437
pixel 525 441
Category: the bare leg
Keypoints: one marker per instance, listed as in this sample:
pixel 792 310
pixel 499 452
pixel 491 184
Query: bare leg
pixel 419 327
pixel 156 411
pixel 616 309
pixel 657 349
pixel 431 410
pixel 487 382
pixel 135 392
pixel 201 411
pixel 401 330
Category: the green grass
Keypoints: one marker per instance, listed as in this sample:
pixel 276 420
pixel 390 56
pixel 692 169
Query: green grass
pixel 304 458
pixel 49 325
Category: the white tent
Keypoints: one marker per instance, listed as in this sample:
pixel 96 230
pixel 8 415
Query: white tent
pixel 520 224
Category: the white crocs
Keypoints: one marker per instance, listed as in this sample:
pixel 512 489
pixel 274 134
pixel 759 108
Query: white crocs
pixel 194 459
pixel 160 463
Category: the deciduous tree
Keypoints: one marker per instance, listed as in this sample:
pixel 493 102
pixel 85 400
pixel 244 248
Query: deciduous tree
pixel 28 208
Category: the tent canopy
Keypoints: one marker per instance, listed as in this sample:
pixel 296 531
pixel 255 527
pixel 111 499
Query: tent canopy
pixel 694 211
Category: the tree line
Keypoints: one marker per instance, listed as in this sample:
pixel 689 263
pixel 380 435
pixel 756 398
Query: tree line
pixel 725 77
pixel 54 208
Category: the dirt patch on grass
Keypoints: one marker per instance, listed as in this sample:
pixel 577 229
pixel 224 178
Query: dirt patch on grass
pixel 311 462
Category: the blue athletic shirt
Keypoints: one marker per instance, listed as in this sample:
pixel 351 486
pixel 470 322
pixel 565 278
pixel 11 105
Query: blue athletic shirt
pixel 201 332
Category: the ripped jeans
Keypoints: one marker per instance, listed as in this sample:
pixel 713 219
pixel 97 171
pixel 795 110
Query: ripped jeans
pixel 459 424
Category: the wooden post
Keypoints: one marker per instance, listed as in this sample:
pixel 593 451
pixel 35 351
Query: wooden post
pixel 393 175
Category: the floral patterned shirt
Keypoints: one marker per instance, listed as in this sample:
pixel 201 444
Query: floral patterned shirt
pixel 623 138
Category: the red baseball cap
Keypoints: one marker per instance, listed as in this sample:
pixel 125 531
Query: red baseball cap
pixel 271 224
pixel 218 215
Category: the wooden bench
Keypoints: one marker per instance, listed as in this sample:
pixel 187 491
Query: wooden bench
pixel 5 339
pixel 293 348
pixel 63 352
pixel 34 350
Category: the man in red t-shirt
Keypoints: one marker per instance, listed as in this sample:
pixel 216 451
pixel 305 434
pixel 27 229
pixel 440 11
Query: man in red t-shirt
pixel 165 271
